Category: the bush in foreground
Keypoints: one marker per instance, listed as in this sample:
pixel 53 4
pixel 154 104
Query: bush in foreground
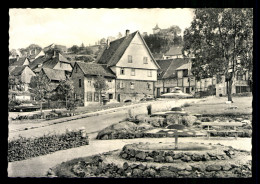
pixel 24 148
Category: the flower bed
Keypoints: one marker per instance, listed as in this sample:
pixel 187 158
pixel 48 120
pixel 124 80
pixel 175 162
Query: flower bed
pixel 24 148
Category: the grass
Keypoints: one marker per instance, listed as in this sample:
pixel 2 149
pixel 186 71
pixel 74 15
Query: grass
pixel 218 106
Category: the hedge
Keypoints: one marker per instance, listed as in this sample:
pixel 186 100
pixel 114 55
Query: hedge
pixel 24 148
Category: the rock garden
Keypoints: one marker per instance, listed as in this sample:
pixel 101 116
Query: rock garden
pixel 138 126
pixel 145 160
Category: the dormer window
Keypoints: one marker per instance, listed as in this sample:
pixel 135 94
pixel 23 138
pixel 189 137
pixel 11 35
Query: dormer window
pixel 130 59
pixel 145 60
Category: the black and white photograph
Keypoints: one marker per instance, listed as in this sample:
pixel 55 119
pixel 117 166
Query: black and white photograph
pixel 130 93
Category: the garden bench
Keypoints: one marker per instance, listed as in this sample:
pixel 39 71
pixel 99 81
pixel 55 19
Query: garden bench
pixel 228 127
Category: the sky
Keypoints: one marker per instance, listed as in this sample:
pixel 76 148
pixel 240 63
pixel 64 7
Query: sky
pixel 76 26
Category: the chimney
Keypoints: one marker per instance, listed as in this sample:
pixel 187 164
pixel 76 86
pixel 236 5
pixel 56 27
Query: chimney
pixel 126 32
pixel 108 43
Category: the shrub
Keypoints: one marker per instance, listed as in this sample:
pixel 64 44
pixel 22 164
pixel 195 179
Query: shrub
pixel 24 148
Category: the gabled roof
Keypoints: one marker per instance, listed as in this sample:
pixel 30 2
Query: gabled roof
pixel 52 62
pixel 40 60
pixel 169 67
pixel 53 74
pixel 173 51
pixel 16 71
pixel 95 69
pixel 183 67
pixel 116 49
pixel 62 58
pixel 20 61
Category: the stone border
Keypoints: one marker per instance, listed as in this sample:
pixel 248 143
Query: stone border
pixel 132 152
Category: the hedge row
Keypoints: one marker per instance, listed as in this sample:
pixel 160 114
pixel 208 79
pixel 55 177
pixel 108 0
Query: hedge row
pixel 24 148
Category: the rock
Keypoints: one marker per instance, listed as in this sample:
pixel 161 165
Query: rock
pixel 137 172
pixel 176 168
pixel 132 159
pixel 134 166
pixel 178 156
pixel 226 167
pixel 149 173
pixel 199 167
pixel 149 159
pixel 158 158
pixel 184 173
pixel 196 157
pixel 168 159
pixel 197 122
pixel 186 158
pixel 247 126
pixel 213 167
pixel 124 155
pixel 141 166
pixel 167 174
pixel 141 155
pixel 132 152
pixel 206 158
pixel 125 165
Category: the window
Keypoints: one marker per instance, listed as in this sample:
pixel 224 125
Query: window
pixel 109 80
pixel 79 83
pixel 121 84
pixel 145 60
pixel 130 59
pixel 89 96
pixel 185 73
pixel 89 82
pixel 132 72
pixel 149 74
pixel 122 71
pixel 148 85
pixel 132 85
pixel 96 97
pixel 110 96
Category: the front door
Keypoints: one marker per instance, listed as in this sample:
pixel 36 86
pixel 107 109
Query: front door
pixel 118 97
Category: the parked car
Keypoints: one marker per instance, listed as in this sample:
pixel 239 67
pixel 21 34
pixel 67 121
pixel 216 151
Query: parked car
pixel 176 93
pixel 25 108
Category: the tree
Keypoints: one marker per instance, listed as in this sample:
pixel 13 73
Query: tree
pixel 218 37
pixel 100 85
pixel 14 82
pixel 40 86
pixel 157 43
pixel 65 90
pixel 74 49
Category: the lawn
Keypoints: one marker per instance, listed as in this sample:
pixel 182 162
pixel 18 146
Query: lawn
pixel 218 106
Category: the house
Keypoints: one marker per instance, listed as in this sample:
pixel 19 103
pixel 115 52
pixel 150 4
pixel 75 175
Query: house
pixel 133 65
pixel 84 75
pixel 20 61
pixel 173 52
pixel 58 62
pixel 242 83
pixel 23 73
pixel 36 65
pixel 174 73
pixel 53 76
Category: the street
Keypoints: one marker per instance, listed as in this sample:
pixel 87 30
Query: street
pixel 97 123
